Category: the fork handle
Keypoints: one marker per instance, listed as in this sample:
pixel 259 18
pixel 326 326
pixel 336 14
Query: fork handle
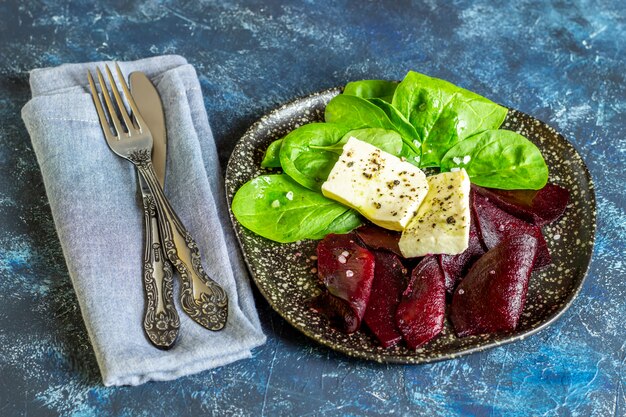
pixel 161 321
pixel 201 298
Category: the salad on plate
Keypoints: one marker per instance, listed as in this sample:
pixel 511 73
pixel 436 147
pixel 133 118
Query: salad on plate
pixel 423 207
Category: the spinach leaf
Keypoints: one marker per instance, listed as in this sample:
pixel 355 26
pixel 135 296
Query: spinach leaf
pixel 387 140
pixel 271 158
pixel 371 89
pixel 499 159
pixel 308 166
pixel 279 209
pixel 358 113
pixel 401 124
pixel 443 114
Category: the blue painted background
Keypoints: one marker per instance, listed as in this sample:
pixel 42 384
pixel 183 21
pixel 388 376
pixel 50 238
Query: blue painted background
pixel 561 61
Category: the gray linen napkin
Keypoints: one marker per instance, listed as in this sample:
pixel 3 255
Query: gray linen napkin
pixel 94 201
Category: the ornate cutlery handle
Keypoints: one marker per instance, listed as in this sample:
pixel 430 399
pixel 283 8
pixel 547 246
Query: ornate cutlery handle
pixel 201 297
pixel 161 321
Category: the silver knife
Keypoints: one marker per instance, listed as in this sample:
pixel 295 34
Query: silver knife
pixel 161 321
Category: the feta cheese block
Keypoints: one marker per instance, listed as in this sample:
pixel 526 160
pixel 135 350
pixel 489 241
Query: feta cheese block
pixel 383 188
pixel 442 222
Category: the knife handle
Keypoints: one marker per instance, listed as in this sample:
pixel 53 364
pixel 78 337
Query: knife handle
pixel 201 298
pixel 161 321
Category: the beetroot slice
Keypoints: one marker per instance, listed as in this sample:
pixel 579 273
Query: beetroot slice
pixel 539 207
pixel 378 238
pixel 346 269
pixel 421 312
pixel 455 267
pixel 490 299
pixel 495 225
pixel 387 287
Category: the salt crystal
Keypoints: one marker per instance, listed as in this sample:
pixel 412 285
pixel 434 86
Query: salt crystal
pixel 349 273
pixel 466 159
pixel 342 259
pixel 275 204
pixel 289 195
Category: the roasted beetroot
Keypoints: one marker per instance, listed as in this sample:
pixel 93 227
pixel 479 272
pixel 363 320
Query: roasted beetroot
pixel 421 312
pixel 376 237
pixel 490 299
pixel 455 267
pixel 539 207
pixel 346 270
pixel 495 225
pixel 389 283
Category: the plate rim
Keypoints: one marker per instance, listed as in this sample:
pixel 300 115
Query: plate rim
pixel 395 359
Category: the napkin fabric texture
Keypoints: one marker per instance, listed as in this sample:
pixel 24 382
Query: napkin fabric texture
pixel 96 207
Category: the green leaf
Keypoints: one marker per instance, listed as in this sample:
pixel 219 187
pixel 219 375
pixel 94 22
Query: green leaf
pixel 279 209
pixel 443 114
pixel 499 159
pixel 371 89
pixel 308 166
pixel 271 158
pixel 358 113
pixel 386 140
pixel 400 123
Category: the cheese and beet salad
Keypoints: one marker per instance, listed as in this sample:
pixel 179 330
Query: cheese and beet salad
pixel 423 207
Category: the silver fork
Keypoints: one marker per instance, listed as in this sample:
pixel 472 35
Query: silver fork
pixel 201 297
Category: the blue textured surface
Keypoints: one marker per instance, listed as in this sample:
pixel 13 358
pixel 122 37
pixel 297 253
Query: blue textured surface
pixel 563 62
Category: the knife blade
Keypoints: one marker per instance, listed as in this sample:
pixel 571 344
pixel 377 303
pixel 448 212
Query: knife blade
pixel 161 322
pixel 151 109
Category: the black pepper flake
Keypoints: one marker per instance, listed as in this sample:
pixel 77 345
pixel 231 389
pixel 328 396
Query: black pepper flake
pixel 451 220
pixel 434 225
pixel 377 204
pixel 367 175
pixel 394 213
pixel 448 197
pixel 420 220
pixel 349 153
pixel 350 164
pixel 449 187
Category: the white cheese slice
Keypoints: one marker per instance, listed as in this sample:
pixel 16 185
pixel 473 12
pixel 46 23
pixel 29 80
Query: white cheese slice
pixel 379 185
pixel 442 222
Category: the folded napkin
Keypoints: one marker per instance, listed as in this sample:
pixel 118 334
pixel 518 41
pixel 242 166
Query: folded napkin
pixel 95 204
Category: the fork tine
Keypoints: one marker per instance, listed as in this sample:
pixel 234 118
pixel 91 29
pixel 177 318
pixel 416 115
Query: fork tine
pixel 129 97
pixel 104 123
pixel 119 101
pixel 107 98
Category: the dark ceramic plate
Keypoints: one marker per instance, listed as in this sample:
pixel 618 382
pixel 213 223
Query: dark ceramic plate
pixel 285 276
